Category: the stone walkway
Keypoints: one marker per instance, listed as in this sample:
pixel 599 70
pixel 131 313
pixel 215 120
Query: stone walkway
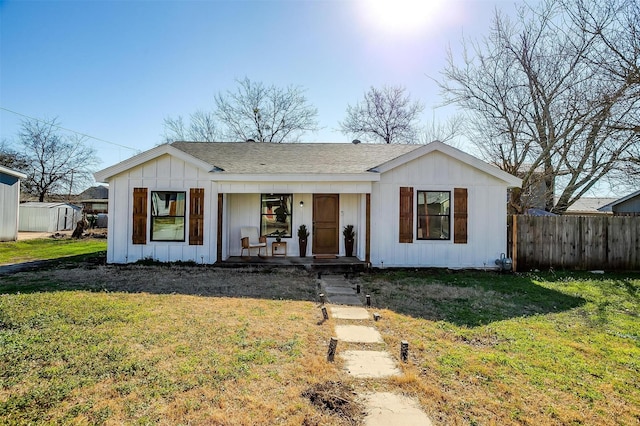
pixel 382 408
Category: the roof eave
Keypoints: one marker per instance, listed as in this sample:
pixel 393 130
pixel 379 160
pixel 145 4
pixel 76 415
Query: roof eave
pixel 105 175
pixel 295 177
pixel 509 179
pixel 609 207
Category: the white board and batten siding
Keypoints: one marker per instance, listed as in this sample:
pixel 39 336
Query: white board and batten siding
pixel 435 167
pixel 486 236
pixel 165 173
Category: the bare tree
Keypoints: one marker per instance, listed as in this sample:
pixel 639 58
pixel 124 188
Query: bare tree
pixel 11 158
pixel 265 113
pixel 553 96
pixel 202 127
pixel 444 131
pixel 57 163
pixel 387 115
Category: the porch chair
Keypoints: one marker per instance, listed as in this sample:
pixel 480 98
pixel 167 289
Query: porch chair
pixel 251 239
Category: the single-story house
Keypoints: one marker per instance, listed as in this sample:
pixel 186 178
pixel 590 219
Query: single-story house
pixel 625 206
pixel 94 200
pixel 9 201
pixel 411 205
pixel 48 217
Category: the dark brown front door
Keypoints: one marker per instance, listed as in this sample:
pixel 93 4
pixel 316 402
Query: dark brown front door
pixel 325 223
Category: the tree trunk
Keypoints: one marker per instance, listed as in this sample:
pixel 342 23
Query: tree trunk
pixel 77 233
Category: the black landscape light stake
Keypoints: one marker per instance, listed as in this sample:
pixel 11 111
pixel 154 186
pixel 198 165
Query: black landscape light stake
pixel 358 288
pixel 325 315
pixel 368 300
pixel 333 344
pixel 404 351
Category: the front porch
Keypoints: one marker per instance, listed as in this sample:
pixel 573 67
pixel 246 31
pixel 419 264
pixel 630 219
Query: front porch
pixel 271 213
pixel 338 264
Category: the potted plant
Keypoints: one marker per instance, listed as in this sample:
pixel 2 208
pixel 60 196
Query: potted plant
pixel 303 234
pixel 349 236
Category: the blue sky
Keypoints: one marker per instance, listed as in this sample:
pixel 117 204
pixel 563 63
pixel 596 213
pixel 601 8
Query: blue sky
pixel 115 69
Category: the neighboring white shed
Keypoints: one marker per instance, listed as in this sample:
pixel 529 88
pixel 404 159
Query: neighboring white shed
pixel 48 217
pixel 9 201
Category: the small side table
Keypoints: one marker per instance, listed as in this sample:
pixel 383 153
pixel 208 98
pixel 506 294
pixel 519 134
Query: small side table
pixel 279 248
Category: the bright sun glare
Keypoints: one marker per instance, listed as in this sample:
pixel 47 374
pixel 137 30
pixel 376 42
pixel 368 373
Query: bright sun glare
pixel 402 17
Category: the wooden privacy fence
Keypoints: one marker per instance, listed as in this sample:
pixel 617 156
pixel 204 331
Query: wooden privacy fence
pixel 575 242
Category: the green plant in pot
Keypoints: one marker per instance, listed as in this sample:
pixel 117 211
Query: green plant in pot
pixel 349 235
pixel 303 235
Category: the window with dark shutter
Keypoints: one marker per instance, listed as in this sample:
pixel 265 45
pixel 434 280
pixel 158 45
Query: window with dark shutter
pixel 406 214
pixel 434 216
pixel 460 215
pixel 196 216
pixel 168 215
pixel 139 216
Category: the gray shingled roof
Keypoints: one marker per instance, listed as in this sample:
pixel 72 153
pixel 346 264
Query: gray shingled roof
pixel 258 158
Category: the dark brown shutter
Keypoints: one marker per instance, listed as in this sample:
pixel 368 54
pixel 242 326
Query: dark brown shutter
pixel 196 216
pixel 460 215
pixel 139 216
pixel 406 214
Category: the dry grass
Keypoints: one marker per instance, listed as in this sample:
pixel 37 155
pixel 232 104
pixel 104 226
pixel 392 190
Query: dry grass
pixel 110 357
pixel 562 349
pixel 198 345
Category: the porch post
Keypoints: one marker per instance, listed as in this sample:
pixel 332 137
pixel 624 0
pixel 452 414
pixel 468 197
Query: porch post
pixel 367 246
pixel 219 230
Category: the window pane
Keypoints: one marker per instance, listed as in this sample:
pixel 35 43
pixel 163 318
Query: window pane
pixel 167 228
pixel 167 215
pixel 167 203
pixel 276 214
pixel 433 215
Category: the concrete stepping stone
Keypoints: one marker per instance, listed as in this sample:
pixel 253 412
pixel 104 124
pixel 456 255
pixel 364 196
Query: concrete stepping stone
pixel 358 334
pixel 343 299
pixel 336 280
pixel 369 364
pixel 338 290
pixel 349 313
pixel 385 408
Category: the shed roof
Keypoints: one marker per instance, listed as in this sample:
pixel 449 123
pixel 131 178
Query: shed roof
pixel 40 205
pixel 11 172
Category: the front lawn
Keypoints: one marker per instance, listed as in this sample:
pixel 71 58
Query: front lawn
pixel 113 345
pixel 82 357
pixel 48 248
pixel 531 348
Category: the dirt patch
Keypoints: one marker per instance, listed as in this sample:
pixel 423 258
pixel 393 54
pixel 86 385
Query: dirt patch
pixel 89 233
pixel 336 399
